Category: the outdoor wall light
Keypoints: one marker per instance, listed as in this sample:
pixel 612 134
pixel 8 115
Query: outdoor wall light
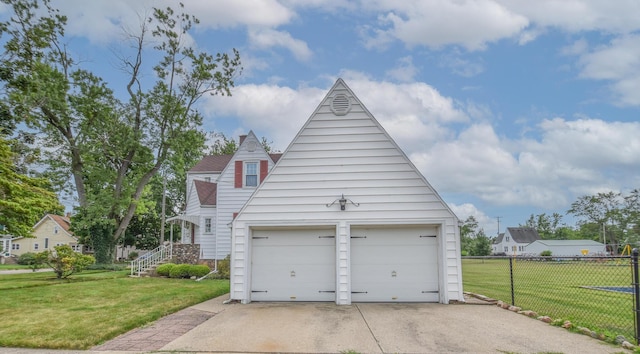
pixel 343 202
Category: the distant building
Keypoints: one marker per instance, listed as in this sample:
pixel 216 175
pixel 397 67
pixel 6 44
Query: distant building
pixel 514 240
pixel 567 248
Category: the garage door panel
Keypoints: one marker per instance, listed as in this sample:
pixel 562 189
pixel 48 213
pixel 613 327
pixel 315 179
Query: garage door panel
pixel 394 264
pixel 293 265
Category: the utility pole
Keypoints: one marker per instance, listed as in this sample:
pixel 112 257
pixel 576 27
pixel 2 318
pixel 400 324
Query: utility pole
pixel 498 217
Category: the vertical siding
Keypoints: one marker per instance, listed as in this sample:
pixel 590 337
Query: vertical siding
pixel 352 155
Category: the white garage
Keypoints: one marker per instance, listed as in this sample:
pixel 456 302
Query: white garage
pixel 293 265
pixel 394 264
pixel 344 216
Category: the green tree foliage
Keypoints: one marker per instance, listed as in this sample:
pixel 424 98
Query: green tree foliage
pixel 549 227
pixel 473 240
pixel 611 217
pixel 24 200
pixel 65 261
pixel 111 148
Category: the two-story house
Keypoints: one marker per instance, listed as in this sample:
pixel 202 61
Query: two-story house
pixel 52 230
pixel 217 188
pixel 514 240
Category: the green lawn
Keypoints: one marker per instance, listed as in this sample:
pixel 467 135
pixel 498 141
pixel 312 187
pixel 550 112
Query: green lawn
pixel 12 266
pixel 557 289
pixel 91 307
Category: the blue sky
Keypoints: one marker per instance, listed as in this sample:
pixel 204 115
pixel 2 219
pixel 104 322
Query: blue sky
pixel 508 107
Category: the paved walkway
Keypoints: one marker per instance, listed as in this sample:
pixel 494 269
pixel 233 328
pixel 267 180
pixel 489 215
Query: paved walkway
pixel 158 334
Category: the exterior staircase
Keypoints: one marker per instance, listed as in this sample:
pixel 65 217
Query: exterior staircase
pixel 148 261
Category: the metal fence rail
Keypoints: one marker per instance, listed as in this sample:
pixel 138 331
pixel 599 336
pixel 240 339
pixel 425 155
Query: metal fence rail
pixel 592 292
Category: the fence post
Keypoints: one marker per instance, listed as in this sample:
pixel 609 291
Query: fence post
pixel 513 301
pixel 636 294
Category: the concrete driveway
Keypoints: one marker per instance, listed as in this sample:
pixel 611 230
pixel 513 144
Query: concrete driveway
pixel 376 328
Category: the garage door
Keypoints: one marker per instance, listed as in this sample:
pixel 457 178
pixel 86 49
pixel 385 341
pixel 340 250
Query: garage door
pixel 293 265
pixel 394 264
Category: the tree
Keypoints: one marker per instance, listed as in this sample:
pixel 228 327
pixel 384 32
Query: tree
pixel 111 148
pixel 474 242
pixel 23 199
pixel 481 245
pixel 604 211
pixel 65 261
pixel 547 226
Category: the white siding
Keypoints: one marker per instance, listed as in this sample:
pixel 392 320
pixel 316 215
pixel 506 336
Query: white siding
pixel 351 155
pixel 231 199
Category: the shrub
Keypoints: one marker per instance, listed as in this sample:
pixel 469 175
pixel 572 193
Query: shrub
pixel 132 255
pixel 30 259
pixel 26 258
pixel 106 266
pixel 180 271
pixel 65 261
pixel 545 253
pixel 199 270
pixel 165 269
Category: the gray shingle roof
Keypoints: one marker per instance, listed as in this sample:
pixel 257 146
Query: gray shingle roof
pixel 523 234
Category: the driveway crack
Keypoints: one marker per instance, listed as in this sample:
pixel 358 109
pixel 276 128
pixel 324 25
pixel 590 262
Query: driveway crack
pixel 370 330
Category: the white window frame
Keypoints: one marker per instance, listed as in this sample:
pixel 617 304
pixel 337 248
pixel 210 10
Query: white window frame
pixel 36 246
pixel 207 225
pixel 245 173
pixel 15 246
pixel 207 179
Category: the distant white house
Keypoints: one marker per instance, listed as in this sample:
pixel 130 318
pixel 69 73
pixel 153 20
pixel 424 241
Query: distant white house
pixel 566 247
pixel 514 241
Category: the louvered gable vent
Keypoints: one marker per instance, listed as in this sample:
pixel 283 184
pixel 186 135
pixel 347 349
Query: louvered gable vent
pixel 340 105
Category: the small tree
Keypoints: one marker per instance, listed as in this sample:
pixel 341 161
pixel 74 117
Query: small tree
pixel 65 261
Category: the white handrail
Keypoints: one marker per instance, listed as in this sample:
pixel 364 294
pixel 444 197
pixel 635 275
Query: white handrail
pixel 150 259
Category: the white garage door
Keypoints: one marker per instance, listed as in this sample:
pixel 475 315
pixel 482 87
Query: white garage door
pixel 394 264
pixel 293 265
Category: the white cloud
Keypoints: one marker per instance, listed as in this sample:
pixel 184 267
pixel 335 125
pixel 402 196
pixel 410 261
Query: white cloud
pixel 404 71
pixel 465 210
pixel 471 24
pixel 268 38
pixel 618 63
pixel 579 15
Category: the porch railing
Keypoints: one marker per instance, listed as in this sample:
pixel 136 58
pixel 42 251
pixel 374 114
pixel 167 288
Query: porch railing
pixel 150 259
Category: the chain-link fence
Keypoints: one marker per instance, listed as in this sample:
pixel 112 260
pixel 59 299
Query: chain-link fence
pixel 592 292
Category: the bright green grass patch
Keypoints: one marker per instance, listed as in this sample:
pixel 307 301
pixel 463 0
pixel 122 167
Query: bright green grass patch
pixel 557 290
pixel 91 308
pixel 13 266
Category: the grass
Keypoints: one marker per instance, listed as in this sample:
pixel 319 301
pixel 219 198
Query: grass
pixel 12 266
pixel 90 307
pixel 556 289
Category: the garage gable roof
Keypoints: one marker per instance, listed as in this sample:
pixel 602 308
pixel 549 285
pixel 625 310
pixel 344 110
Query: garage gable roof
pixel 343 150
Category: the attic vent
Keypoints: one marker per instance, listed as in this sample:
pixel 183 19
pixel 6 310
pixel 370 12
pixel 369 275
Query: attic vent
pixel 340 105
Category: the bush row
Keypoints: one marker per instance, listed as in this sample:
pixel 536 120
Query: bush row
pixel 173 270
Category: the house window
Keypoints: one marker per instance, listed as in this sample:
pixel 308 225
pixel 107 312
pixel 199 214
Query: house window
pixel 55 231
pixel 506 249
pixel 207 225
pixel 251 174
pixel 36 246
pixel 15 246
pixel 507 238
pixel 207 179
pixel 46 243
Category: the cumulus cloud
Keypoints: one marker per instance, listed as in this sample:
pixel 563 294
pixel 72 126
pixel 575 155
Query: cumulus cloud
pixel 617 63
pixel 404 71
pixel 268 38
pixel 470 24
